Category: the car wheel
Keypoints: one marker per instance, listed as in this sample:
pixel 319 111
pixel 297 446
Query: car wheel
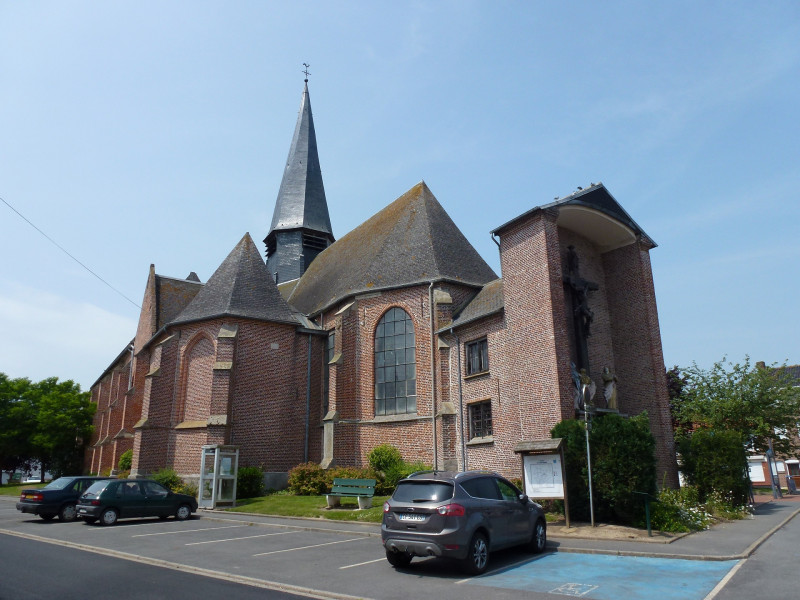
pixel 67 513
pixel 109 516
pixel 90 520
pixel 478 556
pixel 398 559
pixel 47 517
pixel 184 512
pixel 539 537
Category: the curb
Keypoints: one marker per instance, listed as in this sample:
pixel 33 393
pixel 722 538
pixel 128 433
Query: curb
pixel 705 557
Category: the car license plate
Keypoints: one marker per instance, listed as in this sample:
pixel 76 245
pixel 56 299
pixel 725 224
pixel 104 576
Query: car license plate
pixel 411 517
pixel 28 496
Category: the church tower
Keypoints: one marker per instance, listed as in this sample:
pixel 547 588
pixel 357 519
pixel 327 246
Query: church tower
pixel 301 226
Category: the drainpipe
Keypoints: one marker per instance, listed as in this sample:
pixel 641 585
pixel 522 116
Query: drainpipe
pixel 460 404
pixel 130 371
pixel 433 380
pixel 308 398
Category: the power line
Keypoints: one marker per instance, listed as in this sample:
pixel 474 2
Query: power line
pixel 57 245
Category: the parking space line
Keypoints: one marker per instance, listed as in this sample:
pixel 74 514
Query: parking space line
pixel 188 530
pixel 247 537
pixel 307 547
pixel 369 562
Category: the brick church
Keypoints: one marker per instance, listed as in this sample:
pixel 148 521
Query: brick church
pixel 398 332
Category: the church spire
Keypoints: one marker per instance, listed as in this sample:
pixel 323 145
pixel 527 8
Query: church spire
pixel 301 225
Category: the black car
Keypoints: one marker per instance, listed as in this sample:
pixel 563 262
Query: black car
pixel 57 498
pixel 462 516
pixel 132 498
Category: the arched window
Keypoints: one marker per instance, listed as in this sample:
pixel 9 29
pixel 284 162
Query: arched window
pixel 199 372
pixel 395 364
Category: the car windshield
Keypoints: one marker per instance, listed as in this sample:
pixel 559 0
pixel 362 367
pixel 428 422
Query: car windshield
pixel 58 484
pixel 423 491
pixel 96 488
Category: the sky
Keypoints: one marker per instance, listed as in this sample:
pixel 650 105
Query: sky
pixel 156 132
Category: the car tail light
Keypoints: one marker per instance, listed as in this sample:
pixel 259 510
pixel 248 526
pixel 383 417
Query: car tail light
pixel 95 503
pixel 386 507
pixel 451 510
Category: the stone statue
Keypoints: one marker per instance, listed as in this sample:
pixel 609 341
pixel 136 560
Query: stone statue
pixel 610 388
pixel 576 379
pixel 590 387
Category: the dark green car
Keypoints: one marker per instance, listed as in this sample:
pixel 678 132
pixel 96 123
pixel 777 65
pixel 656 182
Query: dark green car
pixel 108 501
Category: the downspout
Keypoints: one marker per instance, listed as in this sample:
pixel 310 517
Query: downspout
pixel 460 404
pixel 130 371
pixel 433 380
pixel 308 398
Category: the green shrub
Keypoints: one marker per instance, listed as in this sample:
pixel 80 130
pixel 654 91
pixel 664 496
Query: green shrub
pixel 623 462
pixel 307 479
pixel 168 478
pixel 190 489
pixel 716 461
pixel 679 511
pixel 125 460
pixel 384 458
pixel 123 474
pixel 249 482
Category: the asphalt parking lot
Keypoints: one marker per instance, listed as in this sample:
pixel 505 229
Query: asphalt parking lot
pixel 339 560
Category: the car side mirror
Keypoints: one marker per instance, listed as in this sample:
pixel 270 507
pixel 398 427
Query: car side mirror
pixel 523 498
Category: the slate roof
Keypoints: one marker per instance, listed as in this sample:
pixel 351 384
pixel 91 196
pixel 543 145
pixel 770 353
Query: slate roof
pixel 486 302
pixel 792 373
pixel 411 241
pixel 301 199
pixel 597 197
pixel 240 287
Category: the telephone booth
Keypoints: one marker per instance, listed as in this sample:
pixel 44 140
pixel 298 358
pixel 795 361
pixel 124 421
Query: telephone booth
pixel 218 468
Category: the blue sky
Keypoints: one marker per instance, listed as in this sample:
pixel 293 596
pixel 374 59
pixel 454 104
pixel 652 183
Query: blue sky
pixel 156 132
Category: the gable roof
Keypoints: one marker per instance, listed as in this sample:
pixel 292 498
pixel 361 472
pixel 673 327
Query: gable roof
pixel 411 241
pixel 488 301
pixel 301 199
pixel 240 287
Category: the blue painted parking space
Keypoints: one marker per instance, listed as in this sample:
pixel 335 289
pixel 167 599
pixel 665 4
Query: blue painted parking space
pixel 612 577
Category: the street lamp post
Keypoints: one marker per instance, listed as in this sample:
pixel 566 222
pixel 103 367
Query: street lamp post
pixel 588 426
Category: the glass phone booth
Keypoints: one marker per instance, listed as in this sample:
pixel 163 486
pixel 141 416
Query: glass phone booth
pixel 218 468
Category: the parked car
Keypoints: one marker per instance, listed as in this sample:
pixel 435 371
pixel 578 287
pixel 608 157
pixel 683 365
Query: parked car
pixel 132 498
pixel 56 498
pixel 462 516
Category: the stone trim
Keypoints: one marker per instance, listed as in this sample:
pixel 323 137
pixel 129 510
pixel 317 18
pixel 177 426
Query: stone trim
pixel 217 420
pixel 192 425
pixel 223 366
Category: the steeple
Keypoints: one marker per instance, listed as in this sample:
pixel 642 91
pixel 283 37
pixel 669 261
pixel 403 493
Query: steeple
pixel 301 226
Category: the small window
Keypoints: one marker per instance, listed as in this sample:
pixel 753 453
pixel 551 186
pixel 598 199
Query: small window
pixel 480 419
pixel 507 491
pixel 477 357
pixel 483 487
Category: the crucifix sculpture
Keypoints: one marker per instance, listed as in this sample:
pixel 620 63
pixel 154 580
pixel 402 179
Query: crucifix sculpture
pixel 582 315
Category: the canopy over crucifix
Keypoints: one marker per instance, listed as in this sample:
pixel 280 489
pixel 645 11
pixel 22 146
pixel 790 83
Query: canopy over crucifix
pixel 582 315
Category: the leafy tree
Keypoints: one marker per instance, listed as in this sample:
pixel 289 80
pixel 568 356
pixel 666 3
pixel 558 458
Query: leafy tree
pixel 760 403
pixel 63 424
pixel 48 421
pixel 623 462
pixel 17 421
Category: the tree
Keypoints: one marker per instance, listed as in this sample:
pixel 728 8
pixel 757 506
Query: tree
pixel 761 403
pixel 48 422
pixel 17 419
pixel 63 424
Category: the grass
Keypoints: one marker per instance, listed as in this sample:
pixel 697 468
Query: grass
pixel 14 490
pixel 287 505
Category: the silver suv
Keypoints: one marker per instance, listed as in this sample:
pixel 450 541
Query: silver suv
pixel 462 516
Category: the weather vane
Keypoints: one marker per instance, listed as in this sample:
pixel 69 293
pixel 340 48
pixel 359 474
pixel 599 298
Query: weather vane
pixel 305 72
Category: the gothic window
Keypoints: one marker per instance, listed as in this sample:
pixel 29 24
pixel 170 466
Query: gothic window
pixel 395 364
pixel 198 373
pixel 477 357
pixel 480 419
